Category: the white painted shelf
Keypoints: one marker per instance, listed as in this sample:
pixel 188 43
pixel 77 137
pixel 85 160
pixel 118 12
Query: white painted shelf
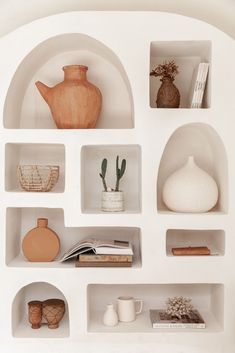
pixel 120 50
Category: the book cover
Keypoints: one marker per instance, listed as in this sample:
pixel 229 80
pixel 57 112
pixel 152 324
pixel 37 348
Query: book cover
pixel 102 264
pixel 104 258
pixel 191 250
pixel 160 319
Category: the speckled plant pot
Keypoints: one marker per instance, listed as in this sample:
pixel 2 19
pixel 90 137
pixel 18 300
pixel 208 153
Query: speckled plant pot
pixel 112 201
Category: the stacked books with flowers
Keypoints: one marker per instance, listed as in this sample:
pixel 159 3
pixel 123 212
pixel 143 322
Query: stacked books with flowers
pixel 91 252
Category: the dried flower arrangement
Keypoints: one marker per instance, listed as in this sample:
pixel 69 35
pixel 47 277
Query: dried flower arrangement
pixel 119 173
pixel 179 306
pixel 167 69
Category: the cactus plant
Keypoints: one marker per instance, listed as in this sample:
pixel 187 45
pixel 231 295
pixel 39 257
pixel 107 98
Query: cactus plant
pixel 103 172
pixel 119 171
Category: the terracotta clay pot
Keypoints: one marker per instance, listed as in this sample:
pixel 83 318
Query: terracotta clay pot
pixel 53 311
pixel 75 103
pixel 41 244
pixel 168 95
pixel 35 313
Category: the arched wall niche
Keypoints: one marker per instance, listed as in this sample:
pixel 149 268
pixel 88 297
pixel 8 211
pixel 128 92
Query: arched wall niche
pixel 37 291
pixel 25 108
pixel 204 143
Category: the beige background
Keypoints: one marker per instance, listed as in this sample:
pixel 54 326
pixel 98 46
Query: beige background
pixel 220 13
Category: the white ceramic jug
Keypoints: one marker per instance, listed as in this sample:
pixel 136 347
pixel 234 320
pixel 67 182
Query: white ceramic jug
pixel 127 308
pixel 190 189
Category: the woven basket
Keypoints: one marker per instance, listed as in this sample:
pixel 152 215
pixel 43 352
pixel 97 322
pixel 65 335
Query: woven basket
pixel 38 177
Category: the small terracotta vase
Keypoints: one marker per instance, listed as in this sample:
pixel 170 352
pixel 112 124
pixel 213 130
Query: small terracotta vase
pixel 41 244
pixel 53 311
pixel 35 313
pixel 168 95
pixel 75 103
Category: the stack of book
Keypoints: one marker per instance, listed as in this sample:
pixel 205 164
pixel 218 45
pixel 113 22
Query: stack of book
pixel 198 85
pixel 91 252
pixel 160 319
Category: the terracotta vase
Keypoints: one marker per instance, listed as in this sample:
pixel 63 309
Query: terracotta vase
pixel 168 95
pixel 75 103
pixel 41 244
pixel 35 313
pixel 53 311
pixel 190 189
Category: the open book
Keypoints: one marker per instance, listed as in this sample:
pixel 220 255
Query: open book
pixel 99 247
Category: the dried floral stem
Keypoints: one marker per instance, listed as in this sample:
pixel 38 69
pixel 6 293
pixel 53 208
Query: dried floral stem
pixel 167 69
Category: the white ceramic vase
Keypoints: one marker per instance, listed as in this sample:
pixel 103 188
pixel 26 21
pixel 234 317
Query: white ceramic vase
pixel 112 201
pixel 190 189
pixel 110 317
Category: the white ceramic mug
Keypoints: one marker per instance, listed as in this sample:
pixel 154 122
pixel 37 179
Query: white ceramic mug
pixel 126 308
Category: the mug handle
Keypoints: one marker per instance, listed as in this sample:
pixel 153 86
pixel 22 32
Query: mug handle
pixel 141 305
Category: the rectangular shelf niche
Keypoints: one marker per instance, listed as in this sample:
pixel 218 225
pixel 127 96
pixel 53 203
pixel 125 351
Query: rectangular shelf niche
pixel 206 297
pixel 20 220
pixel 187 56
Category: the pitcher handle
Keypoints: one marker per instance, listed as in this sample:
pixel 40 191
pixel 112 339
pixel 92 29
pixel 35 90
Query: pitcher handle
pixel 140 304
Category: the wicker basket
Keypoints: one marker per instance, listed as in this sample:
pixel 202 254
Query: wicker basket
pixel 38 177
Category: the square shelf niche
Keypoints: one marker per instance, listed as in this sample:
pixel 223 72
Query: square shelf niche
pixel 91 183
pixel 20 220
pixel 214 239
pixel 187 56
pixel 29 153
pixel 207 298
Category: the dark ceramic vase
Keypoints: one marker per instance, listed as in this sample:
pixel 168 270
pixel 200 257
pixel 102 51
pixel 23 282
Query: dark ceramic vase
pixel 168 95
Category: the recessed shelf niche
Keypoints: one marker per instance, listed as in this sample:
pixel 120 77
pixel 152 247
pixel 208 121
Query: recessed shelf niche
pixel 20 220
pixel 214 239
pixel 187 56
pixel 206 297
pixel 91 183
pixel 25 108
pixel 201 141
pixel 29 153
pixel 21 327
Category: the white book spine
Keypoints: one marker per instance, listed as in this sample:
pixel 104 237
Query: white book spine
pixel 200 85
pixel 196 85
pixel 179 325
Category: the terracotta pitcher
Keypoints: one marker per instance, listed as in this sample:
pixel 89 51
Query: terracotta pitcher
pixel 75 103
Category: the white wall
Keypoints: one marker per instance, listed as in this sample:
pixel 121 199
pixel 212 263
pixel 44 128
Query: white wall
pixel 220 13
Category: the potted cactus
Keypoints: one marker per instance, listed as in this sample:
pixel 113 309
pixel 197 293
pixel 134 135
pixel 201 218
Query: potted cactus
pixel 112 199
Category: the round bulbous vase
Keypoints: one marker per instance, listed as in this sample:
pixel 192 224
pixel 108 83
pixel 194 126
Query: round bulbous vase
pixel 110 317
pixel 168 95
pixel 75 103
pixel 53 311
pixel 112 201
pixel 190 189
